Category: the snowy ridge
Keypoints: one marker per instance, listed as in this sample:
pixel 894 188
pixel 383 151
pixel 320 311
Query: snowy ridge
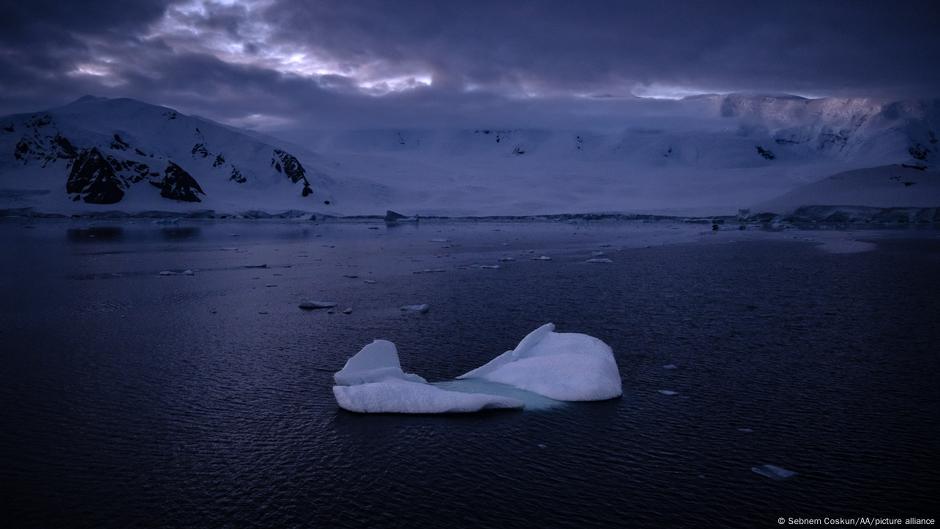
pixel 704 155
pixel 97 154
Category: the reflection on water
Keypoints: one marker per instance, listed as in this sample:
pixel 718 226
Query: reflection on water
pixel 95 233
pixel 181 233
pixel 131 399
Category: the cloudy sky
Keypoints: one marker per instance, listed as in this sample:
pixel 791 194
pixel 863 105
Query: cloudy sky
pixel 274 64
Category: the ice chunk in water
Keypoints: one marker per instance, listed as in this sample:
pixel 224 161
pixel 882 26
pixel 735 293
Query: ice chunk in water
pixel 372 381
pixel 561 366
pixel 545 368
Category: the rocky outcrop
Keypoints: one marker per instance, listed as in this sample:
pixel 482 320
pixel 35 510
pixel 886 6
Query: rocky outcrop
pixel 284 162
pixel 766 153
pixel 177 184
pixel 92 179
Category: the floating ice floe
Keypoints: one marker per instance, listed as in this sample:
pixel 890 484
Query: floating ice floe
pixel 177 273
pixel 420 308
pixel 312 305
pixel 372 381
pixel 670 366
pixel 668 392
pixel 773 472
pixel 429 271
pixel 542 258
pixel 599 260
pixel 545 367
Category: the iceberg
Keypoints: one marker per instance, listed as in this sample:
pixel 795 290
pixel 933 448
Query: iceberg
pixel 560 366
pixel 544 367
pixel 372 381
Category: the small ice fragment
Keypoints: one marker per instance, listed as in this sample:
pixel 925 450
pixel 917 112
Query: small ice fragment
pixel 598 254
pixel 369 281
pixel 599 260
pixel 745 430
pixel 429 271
pixel 542 258
pixel 488 267
pixel 773 472
pixel 348 310
pixel 175 273
pixel 421 308
pixel 670 366
pixel 668 392
pixel 439 240
pixel 312 305
pixel 541 445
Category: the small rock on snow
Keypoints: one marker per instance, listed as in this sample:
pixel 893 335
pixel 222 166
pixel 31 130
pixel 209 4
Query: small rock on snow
pixel 312 305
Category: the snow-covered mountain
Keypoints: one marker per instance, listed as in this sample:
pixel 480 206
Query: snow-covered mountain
pixel 708 154
pixel 120 154
pixel 701 155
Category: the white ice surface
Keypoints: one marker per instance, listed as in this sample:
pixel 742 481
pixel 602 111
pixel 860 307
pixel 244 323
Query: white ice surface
pixel 545 368
pixel 560 366
pixel 372 381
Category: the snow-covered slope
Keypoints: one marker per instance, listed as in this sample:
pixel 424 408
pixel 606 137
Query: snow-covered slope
pixel 701 155
pixel 122 154
pixel 883 187
pixel 710 154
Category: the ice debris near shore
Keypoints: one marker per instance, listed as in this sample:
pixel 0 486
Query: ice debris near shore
pixel 559 366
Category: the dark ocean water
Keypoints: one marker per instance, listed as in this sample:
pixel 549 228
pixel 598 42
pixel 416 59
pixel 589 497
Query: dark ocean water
pixel 135 400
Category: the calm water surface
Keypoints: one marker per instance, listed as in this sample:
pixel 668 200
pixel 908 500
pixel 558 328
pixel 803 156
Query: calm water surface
pixel 130 399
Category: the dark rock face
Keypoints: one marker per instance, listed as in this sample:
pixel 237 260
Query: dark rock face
pixel 918 152
pixel 219 160
pixel 200 151
pixel 766 153
pixel 66 149
pixel 93 180
pixel 118 143
pixel 177 184
pixel 237 176
pixel 307 190
pixel 285 162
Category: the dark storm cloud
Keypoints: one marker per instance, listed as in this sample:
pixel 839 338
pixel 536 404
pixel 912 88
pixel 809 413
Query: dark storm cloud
pixel 367 62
